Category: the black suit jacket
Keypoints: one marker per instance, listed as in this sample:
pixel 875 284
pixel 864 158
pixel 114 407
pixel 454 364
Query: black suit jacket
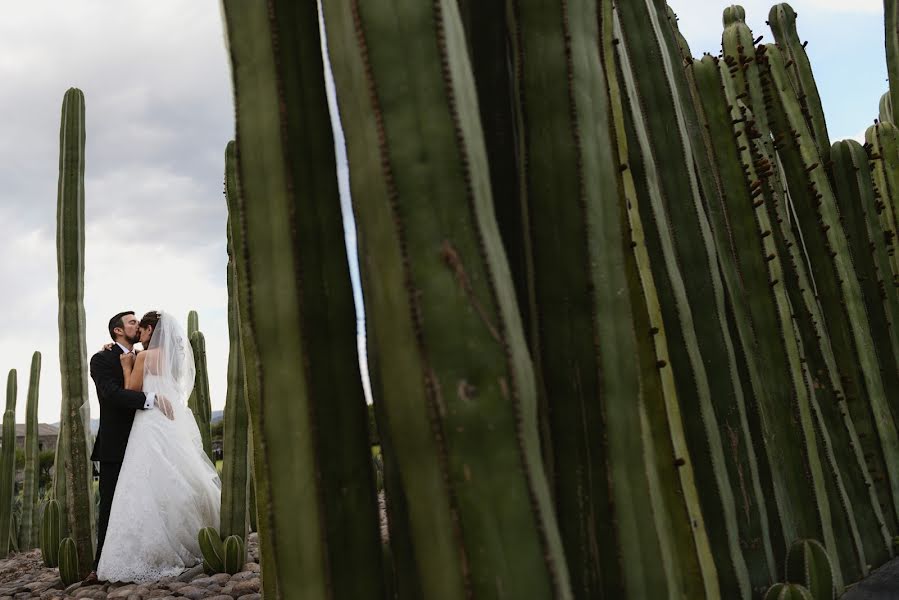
pixel 117 405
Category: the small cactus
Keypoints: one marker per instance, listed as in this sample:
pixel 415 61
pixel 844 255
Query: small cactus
pixel 213 550
pixel 50 534
pixel 234 554
pixel 788 591
pixel 68 562
pixel 809 564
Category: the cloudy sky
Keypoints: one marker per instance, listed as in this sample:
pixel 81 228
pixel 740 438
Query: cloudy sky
pixel 159 113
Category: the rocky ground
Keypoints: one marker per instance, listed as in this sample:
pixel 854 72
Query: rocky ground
pixel 882 584
pixel 23 575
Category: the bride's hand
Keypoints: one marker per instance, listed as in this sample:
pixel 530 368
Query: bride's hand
pixel 108 346
pixel 127 361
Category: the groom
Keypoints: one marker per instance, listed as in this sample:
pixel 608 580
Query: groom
pixel 117 408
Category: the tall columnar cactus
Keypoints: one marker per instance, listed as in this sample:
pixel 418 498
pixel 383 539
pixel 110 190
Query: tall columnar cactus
pixel 690 205
pixel 260 493
pixel 809 565
pixel 447 327
pixel 883 140
pixel 298 319
pixel 72 345
pixel 885 112
pixel 50 533
pixel 235 463
pixel 193 323
pixel 592 352
pixel 682 45
pixel 8 463
pixel 31 477
pixel 855 195
pixel 193 326
pixel 850 488
pixel 202 406
pixel 738 50
pixel 755 277
pixel 782 19
pixel 58 485
pixel 891 36
pixel 835 280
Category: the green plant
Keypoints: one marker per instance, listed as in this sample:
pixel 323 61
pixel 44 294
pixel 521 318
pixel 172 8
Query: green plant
pixel 788 591
pixel 292 344
pixel 809 564
pixel 8 463
pixel 75 418
pixel 201 407
pixel 32 475
pixel 235 554
pixel 235 441
pixel 69 570
pixel 50 533
pixel 193 323
pixel 213 550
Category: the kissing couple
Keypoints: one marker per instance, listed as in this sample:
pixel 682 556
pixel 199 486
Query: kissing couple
pixel 158 487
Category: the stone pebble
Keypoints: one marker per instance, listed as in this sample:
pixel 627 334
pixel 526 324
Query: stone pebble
pixel 23 576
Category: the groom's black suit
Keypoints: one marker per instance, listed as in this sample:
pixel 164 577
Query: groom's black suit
pixel 117 408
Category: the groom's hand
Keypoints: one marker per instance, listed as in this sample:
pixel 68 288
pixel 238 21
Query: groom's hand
pixel 165 406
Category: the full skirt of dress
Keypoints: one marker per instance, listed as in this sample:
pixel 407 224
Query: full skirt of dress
pixel 167 491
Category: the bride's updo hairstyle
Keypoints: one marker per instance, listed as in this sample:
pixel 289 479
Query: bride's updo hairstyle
pixel 150 319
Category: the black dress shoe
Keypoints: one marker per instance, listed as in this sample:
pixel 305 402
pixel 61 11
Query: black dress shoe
pixel 91 579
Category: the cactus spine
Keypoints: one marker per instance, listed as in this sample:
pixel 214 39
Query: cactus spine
pixel 69 570
pixel 202 407
pixel 50 533
pixel 8 464
pixel 72 344
pixel 808 564
pixel 31 477
pixel 298 321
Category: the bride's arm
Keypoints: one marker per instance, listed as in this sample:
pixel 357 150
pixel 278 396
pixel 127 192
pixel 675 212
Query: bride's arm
pixel 134 373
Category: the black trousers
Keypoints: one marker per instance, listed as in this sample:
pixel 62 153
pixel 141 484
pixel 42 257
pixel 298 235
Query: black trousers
pixel 109 476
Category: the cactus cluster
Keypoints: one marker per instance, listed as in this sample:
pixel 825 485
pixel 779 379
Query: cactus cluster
pixel 221 556
pixel 631 316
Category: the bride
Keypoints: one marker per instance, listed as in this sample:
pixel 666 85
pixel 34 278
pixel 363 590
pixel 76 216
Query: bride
pixel 168 489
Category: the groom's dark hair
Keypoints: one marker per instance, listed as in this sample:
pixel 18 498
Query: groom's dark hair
pixel 118 321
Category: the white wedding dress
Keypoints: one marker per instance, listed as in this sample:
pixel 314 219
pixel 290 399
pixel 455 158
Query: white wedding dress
pixel 168 489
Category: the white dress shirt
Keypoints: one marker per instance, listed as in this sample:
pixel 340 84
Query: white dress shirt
pixel 151 396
